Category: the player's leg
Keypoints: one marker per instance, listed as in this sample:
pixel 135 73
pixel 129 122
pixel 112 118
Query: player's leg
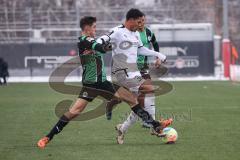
pixel 148 99
pixel 129 98
pixel 4 80
pixel 148 90
pixel 149 106
pixel 132 118
pixel 110 105
pixel 123 128
pixel 137 111
pixel 73 112
pixel 86 95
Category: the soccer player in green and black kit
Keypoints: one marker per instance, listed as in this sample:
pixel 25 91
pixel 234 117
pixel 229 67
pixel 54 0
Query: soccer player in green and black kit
pixel 95 83
pixel 148 39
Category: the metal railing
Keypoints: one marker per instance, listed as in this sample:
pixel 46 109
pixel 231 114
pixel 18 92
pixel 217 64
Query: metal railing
pixel 16 26
pixel 49 35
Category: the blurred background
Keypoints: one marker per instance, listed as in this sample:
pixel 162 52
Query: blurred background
pixel 200 38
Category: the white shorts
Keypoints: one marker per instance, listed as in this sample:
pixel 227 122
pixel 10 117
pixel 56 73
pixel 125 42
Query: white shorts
pixel 130 80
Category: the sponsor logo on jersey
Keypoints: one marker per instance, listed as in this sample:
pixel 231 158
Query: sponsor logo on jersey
pixel 149 38
pixel 85 94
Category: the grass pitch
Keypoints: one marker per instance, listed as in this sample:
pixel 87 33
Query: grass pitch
pixel 207 118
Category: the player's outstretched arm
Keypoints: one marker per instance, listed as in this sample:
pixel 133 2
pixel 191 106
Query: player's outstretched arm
pixel 147 52
pixel 90 44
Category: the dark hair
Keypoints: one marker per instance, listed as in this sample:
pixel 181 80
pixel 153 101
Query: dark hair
pixel 134 13
pixel 87 21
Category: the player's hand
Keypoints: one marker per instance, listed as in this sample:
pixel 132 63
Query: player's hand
pixel 158 63
pixel 165 60
pixel 107 47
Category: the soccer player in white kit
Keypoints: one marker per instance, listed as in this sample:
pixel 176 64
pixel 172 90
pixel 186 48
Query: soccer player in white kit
pixel 147 100
pixel 126 47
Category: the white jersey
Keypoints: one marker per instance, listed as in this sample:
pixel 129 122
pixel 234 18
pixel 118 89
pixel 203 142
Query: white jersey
pixel 125 49
pixel 126 46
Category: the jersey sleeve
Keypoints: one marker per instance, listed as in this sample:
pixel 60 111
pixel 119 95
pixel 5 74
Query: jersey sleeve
pixel 154 43
pixel 153 39
pixel 140 44
pixel 147 52
pixel 89 43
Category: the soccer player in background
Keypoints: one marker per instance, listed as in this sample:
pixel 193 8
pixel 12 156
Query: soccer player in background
pixel 95 83
pixel 3 71
pixel 149 40
pixel 128 46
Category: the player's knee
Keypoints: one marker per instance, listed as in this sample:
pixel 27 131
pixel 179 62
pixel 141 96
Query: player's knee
pixel 70 115
pixel 131 100
pixel 75 111
pixel 115 101
pixel 146 89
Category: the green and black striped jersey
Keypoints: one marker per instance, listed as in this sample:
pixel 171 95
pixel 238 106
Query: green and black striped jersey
pixel 92 64
pixel 147 38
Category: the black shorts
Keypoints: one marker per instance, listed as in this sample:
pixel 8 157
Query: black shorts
pixel 104 89
pixel 145 74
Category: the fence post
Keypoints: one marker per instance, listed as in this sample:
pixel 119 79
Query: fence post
pixel 29 17
pixel 226 42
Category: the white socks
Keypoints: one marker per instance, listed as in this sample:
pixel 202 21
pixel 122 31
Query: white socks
pixel 149 106
pixel 132 118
